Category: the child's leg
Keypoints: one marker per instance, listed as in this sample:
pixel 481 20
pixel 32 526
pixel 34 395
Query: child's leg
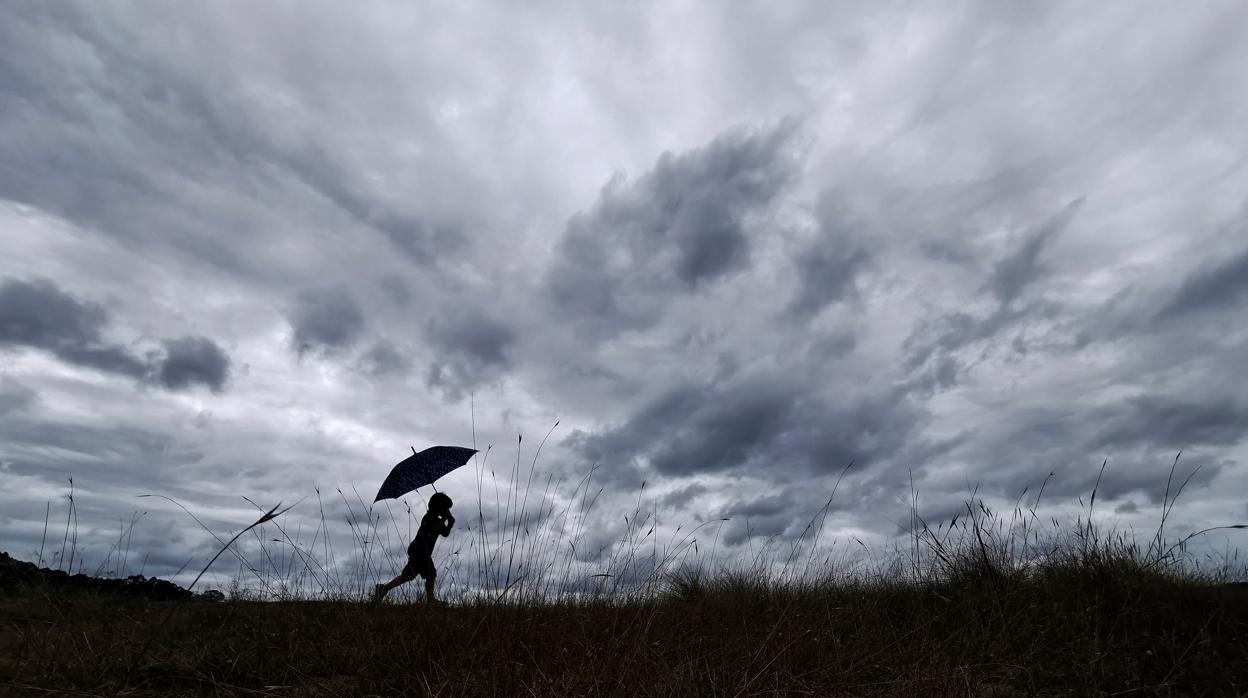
pixel 383 589
pixel 403 578
pixel 430 573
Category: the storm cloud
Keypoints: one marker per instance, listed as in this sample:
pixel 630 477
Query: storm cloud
pixel 768 426
pixel 1012 274
pixel 39 315
pixel 1219 284
pixel 827 268
pixel 325 319
pixel 14 397
pixel 680 226
pixel 728 248
pixel 192 360
pixel 470 346
pixel 1174 424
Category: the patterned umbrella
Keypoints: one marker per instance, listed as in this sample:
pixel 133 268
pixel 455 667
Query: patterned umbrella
pixel 420 469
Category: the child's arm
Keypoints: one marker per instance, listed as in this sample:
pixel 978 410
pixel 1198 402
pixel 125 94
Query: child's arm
pixel 447 523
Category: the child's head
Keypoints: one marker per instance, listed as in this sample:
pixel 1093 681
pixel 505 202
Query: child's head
pixel 440 502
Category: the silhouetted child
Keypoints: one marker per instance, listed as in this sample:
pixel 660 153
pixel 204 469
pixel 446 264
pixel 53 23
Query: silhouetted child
pixel 437 521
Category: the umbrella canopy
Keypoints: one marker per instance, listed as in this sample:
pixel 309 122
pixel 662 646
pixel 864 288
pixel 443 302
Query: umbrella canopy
pixel 420 469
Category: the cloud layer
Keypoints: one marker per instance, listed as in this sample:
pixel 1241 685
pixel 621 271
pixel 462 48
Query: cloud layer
pixel 731 249
pixel 38 315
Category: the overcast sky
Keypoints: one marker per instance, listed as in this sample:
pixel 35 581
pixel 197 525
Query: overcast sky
pixel 249 248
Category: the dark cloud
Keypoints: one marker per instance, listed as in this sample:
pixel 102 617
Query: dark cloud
pixel 939 374
pixel 14 397
pixel 1138 437
pixel 472 334
pixel 1127 507
pixel 39 315
pixel 932 348
pixel 741 529
pixel 680 226
pixel 384 359
pixel 826 275
pixel 116 151
pixel 764 505
pixel 1216 286
pixel 396 290
pixel 471 347
pixel 420 239
pixel 1176 323
pixel 1146 477
pixel 193 360
pixel 945 250
pixel 768 511
pixel 1172 423
pixel 1013 273
pixel 325 319
pixel 828 268
pixel 78 161
pixel 829 346
pixel 107 456
pixel 773 426
pixel 681 498
pixel 900 281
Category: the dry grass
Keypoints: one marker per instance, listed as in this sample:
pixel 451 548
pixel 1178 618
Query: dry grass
pixel 988 604
pixel 1063 630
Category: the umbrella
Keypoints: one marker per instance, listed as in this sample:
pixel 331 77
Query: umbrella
pixel 420 469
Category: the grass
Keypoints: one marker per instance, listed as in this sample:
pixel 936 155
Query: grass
pixel 1061 631
pixel 987 604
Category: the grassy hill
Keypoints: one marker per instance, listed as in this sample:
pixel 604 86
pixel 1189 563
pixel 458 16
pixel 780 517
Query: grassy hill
pixel 983 605
pixel 1095 627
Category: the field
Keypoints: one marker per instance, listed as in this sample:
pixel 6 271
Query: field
pixel 983 605
pixel 1060 631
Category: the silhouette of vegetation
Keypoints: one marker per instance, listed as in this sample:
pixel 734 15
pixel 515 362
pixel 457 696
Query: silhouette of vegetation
pixel 986 604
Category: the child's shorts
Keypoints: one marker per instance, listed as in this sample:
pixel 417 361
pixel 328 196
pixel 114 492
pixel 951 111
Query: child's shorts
pixel 420 564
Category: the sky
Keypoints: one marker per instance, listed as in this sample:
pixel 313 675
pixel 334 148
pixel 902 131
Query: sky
pixel 731 248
